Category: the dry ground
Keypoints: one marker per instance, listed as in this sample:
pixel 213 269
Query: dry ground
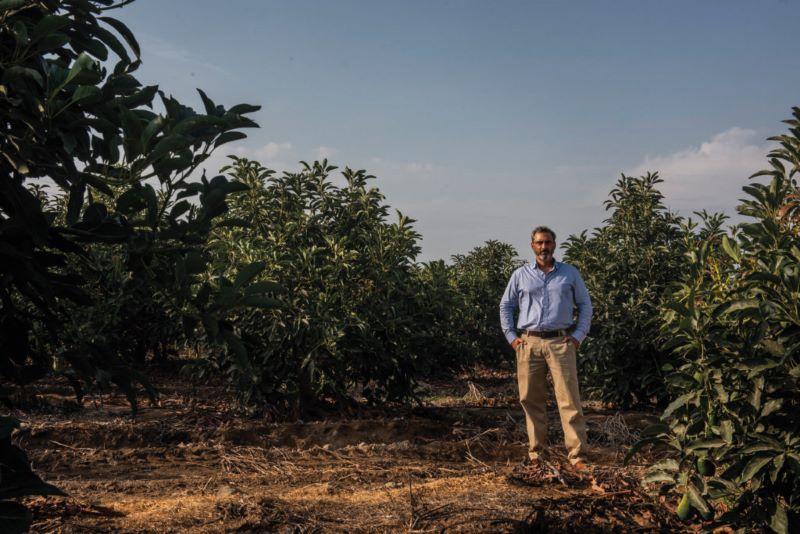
pixel 448 464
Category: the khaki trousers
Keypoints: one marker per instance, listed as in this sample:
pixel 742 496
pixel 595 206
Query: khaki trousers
pixel 534 357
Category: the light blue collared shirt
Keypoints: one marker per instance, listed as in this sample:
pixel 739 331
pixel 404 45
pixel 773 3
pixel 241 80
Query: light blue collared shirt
pixel 546 301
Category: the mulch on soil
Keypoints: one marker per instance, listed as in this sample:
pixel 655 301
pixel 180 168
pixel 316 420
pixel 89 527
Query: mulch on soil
pixel 452 463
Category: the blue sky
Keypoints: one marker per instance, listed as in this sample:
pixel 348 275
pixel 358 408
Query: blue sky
pixel 484 119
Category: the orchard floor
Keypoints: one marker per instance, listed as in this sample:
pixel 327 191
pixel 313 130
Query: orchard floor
pixel 446 464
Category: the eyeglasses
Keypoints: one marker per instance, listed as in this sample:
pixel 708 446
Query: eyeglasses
pixel 540 243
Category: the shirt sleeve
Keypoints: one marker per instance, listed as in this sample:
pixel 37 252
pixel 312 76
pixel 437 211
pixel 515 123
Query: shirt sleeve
pixel 508 304
pixel 584 304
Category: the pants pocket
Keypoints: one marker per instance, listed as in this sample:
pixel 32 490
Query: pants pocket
pixel 521 352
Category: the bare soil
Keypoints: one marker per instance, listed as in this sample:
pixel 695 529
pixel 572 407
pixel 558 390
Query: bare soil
pixel 448 463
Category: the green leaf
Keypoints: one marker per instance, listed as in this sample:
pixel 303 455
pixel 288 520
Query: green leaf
pixel 83 92
pixel 51 42
pixel 113 43
pixel 21 33
pixel 170 143
pixel 761 447
pixel 195 125
pixel 704 444
pixel 227 137
pixel 771 406
pixel 753 467
pixel 131 201
pixel 142 97
pixel 152 128
pixel 657 476
pixel 731 248
pixel 8 5
pixel 697 501
pixel 726 430
pixel 740 305
pixel 237 349
pixel 756 394
pixel 774 347
pixel 241 109
pixel 234 186
pixel 681 401
pixel 669 464
pixel 779 522
pixel 83 63
pixel 124 32
pixel 96 48
pixel 248 272
pixel 24 72
pixel 49 24
pixel 211 108
pixel 777 462
pixel 179 209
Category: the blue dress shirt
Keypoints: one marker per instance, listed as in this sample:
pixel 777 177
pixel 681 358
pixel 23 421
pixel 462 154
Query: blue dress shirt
pixel 546 301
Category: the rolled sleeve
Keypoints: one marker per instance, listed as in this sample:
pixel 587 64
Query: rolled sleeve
pixel 584 304
pixel 508 304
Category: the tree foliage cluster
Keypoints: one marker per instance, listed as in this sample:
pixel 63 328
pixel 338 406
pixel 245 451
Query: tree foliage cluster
pixel 346 272
pixel 733 323
pixel 358 316
pixel 122 244
pixel 628 265
pixel 704 321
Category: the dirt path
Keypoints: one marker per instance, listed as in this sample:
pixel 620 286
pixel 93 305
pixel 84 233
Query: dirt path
pixel 189 465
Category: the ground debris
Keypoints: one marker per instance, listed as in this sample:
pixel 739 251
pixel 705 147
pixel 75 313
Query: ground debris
pixel 191 465
pixel 548 471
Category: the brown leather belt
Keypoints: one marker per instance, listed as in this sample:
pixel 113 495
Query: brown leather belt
pixel 548 333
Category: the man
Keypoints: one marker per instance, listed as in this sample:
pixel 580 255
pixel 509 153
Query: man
pixel 546 293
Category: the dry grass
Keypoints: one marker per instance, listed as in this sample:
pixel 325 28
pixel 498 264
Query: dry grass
pixel 441 466
pixel 614 432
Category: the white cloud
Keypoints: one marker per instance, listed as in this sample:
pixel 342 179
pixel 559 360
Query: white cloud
pixel 710 176
pixel 324 152
pixel 272 150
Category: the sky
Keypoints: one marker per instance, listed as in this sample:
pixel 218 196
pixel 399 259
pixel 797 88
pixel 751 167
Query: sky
pixel 482 120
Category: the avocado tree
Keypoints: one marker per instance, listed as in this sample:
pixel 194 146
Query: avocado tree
pixel 75 116
pixel 628 264
pixel 350 305
pixel 733 323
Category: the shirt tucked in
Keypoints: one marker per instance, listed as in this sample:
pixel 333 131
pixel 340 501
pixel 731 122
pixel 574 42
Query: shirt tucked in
pixel 546 301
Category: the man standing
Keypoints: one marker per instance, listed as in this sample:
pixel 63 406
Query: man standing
pixel 546 293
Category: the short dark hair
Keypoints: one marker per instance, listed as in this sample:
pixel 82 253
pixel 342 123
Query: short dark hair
pixel 542 230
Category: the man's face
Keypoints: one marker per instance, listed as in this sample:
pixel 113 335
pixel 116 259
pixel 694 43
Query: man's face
pixel 543 246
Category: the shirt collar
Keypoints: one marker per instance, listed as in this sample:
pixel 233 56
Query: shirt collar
pixel 535 266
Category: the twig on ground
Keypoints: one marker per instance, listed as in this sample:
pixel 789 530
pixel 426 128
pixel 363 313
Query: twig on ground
pixel 473 394
pixel 70 447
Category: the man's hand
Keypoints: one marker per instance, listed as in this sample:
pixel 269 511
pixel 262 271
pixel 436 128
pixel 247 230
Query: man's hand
pixel 574 341
pixel 517 342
